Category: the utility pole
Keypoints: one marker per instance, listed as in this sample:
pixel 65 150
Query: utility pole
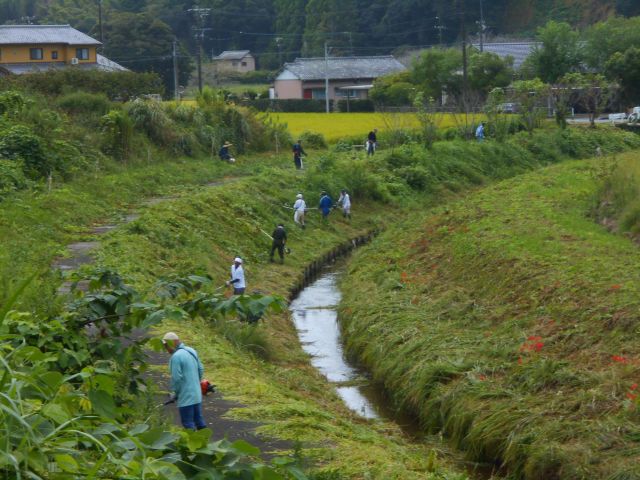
pixel 464 56
pixel 483 27
pixel 100 23
pixel 175 70
pixel 439 27
pixel 200 14
pixel 326 76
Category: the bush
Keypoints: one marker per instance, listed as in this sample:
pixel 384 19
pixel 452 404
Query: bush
pixel 356 106
pixel 11 103
pixel 11 177
pixel 83 103
pixel 19 143
pixel 120 86
pixel 313 139
pixel 289 105
pixel 117 129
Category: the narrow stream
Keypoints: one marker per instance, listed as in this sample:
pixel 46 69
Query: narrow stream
pixel 316 319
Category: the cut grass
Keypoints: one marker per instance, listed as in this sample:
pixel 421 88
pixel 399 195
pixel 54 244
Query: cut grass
pixel 508 322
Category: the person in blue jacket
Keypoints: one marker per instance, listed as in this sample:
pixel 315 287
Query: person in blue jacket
pixel 186 373
pixel 325 205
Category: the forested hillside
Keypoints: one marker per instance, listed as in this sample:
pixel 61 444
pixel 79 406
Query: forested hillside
pixel 280 30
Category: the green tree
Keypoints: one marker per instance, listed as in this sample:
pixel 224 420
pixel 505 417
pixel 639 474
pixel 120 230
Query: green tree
pixel 144 44
pixel 332 21
pixel 438 70
pixel 488 71
pixel 559 54
pixel 625 69
pixel 603 39
pixel 530 95
pixel 594 92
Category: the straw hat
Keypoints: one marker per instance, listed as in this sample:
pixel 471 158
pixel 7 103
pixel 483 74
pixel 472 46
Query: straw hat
pixel 227 144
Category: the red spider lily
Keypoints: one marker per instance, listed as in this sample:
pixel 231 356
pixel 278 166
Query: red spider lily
pixel 615 287
pixel 404 276
pixel 631 396
pixel 534 338
pixel 538 346
pixel 482 377
pixel 519 360
pixel 618 359
pixel 634 386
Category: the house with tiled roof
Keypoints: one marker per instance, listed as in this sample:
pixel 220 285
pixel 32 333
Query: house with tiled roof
pixel 519 51
pixel 38 48
pixel 349 77
pixel 240 61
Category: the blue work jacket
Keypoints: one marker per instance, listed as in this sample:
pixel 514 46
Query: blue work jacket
pixel 186 373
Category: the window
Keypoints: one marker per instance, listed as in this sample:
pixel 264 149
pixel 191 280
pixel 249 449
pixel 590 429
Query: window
pixel 35 53
pixel 342 93
pixel 318 94
pixel 234 63
pixel 244 64
pixel 54 55
pixel 82 53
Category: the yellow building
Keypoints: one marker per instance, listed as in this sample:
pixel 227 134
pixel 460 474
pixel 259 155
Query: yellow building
pixel 34 48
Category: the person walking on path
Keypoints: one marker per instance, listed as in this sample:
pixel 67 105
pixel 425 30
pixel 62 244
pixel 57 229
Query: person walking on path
pixel 372 142
pixel 186 372
pixel 325 205
pixel 298 151
pixel 224 153
pixel 237 277
pixel 480 132
pixel 345 202
pixel 279 236
pixel 299 209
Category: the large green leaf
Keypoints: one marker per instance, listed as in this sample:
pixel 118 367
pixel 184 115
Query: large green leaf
pixel 56 412
pixel 103 404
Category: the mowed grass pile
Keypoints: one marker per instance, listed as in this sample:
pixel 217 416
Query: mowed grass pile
pixel 508 321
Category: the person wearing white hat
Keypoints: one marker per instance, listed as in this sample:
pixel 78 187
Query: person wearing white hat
pixel 299 209
pixel 224 153
pixel 237 277
pixel 186 373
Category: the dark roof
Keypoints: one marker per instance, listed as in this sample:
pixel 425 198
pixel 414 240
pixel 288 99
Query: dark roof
pixel 43 34
pixel 232 55
pixel 342 67
pixel 103 64
pixel 518 50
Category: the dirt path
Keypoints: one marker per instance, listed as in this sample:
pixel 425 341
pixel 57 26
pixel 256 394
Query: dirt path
pixel 215 407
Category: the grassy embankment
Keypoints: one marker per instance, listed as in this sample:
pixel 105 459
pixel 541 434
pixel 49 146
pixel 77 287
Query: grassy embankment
pixel 203 232
pixel 36 225
pixel 508 321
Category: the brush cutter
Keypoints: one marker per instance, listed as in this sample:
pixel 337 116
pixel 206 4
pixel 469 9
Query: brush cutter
pixel 287 250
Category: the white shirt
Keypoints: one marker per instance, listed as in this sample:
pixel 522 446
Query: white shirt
pixel 345 201
pixel 299 205
pixel 237 274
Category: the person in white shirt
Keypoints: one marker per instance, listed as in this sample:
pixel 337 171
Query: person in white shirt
pixel 237 277
pixel 345 202
pixel 298 210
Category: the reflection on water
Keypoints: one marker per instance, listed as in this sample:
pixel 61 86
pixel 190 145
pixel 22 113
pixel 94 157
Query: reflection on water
pixel 315 317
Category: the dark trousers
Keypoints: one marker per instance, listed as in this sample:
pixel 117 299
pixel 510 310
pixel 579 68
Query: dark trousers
pixel 191 417
pixel 238 291
pixel 298 161
pixel 279 247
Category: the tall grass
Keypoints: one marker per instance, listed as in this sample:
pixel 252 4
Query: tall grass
pixel 506 321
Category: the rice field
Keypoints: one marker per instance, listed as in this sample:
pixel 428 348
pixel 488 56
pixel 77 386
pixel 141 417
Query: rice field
pixel 335 126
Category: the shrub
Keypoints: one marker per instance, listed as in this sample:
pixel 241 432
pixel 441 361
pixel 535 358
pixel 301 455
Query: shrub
pixel 11 177
pixel 11 103
pixel 364 105
pixel 83 103
pixel 313 139
pixel 149 117
pixel 117 129
pixel 20 143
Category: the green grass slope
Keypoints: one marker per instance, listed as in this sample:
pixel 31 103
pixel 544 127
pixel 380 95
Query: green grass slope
pixel 509 321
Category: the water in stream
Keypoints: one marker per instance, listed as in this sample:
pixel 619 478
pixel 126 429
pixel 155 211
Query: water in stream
pixel 315 317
